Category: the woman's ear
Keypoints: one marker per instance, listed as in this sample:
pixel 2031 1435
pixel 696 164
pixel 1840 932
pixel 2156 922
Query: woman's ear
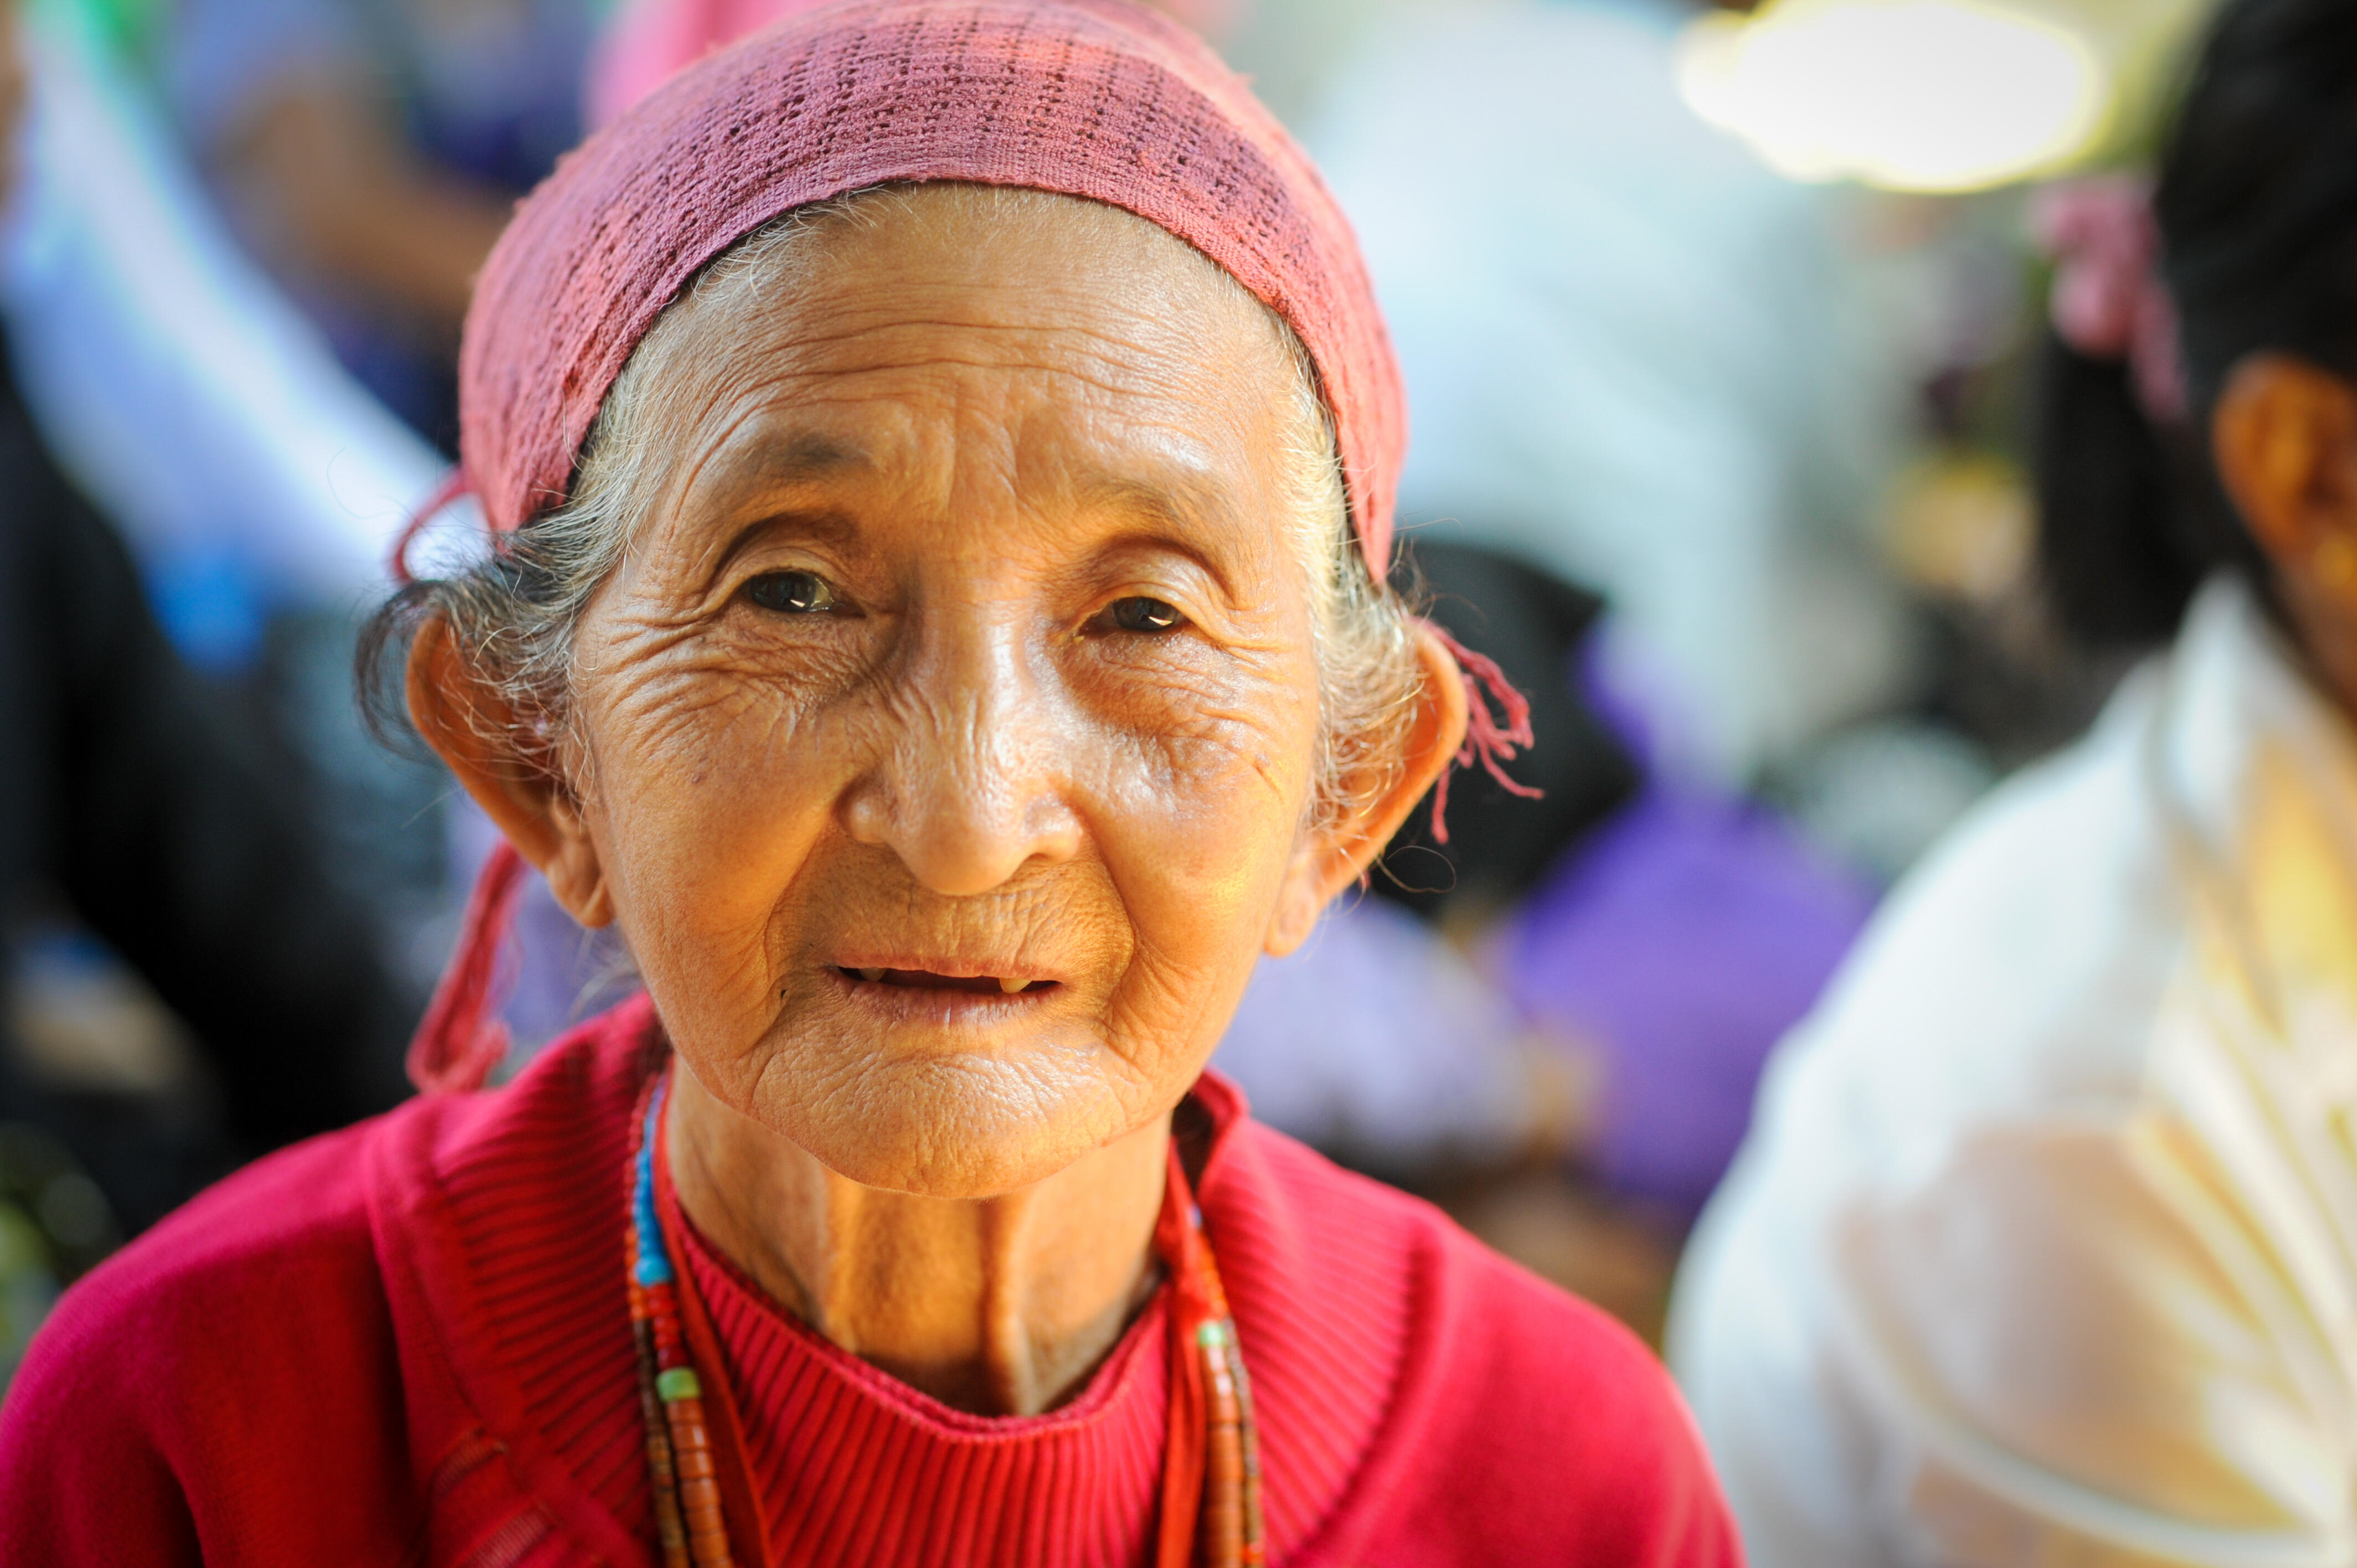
pixel 1340 854
pixel 2285 440
pixel 468 724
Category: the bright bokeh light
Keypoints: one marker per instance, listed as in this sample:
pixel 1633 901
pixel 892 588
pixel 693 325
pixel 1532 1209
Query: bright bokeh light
pixel 1936 95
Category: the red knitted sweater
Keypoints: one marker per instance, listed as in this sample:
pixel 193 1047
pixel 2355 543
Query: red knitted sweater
pixel 408 1343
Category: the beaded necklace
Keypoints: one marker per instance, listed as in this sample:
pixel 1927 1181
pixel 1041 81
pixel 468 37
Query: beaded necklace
pixel 1212 1470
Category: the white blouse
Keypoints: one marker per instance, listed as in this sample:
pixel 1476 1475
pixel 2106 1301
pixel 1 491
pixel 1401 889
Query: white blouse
pixel 2043 1249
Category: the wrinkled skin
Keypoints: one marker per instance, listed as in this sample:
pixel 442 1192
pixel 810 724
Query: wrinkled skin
pixel 969 639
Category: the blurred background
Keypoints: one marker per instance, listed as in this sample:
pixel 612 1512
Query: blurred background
pixel 1719 326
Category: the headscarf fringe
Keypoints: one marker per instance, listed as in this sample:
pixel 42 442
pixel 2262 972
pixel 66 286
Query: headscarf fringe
pixel 459 1044
pixel 1488 740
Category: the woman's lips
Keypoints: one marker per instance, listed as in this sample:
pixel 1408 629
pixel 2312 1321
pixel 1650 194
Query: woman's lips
pixel 931 979
pixel 948 1010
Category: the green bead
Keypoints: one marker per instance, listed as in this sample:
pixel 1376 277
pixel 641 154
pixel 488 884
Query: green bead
pixel 1211 1334
pixel 679 1383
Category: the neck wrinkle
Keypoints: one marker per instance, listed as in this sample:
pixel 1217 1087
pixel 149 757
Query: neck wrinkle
pixel 996 1307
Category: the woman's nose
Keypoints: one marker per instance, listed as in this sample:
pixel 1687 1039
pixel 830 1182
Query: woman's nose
pixel 972 786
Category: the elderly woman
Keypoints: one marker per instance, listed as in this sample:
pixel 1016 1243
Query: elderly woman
pixel 940 451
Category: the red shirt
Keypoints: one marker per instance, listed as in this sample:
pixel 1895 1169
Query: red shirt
pixel 409 1343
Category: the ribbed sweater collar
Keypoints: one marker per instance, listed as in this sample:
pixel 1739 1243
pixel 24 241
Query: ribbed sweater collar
pixel 513 1205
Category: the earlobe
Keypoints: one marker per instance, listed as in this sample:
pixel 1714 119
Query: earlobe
pixel 576 875
pixel 1340 854
pixel 1287 929
pixel 468 724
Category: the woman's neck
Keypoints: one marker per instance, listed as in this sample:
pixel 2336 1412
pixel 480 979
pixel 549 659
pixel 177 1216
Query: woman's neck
pixel 999 1305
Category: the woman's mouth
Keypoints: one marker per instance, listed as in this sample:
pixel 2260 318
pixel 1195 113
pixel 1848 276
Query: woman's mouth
pixel 927 979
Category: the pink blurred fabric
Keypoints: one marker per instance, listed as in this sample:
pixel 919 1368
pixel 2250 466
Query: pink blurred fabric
pixel 652 40
pixel 2108 300
pixel 1098 99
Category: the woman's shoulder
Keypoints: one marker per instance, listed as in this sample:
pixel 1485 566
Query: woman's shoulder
pixel 1429 1394
pixel 263 1346
pixel 2017 967
pixel 256 1311
pixel 305 1225
pixel 283 1230
pixel 2029 947
pixel 2052 859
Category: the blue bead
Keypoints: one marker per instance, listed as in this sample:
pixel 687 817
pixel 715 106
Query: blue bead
pixel 654 1263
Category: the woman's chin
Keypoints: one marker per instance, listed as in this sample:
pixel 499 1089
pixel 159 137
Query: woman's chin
pixel 965 1128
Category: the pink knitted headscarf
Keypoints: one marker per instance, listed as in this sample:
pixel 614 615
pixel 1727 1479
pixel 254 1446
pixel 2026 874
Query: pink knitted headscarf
pixel 1098 99
pixel 649 40
pixel 1090 98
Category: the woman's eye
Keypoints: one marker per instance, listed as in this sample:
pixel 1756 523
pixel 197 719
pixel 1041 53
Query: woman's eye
pixel 793 592
pixel 1150 616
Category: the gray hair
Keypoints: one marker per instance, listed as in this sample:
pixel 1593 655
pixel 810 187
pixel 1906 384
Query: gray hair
pixel 513 616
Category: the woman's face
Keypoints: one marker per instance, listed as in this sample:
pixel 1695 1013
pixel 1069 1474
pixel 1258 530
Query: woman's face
pixel 942 747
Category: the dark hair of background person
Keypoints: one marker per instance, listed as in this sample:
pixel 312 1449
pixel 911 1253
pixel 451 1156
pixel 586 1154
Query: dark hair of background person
pixel 1499 846
pixel 2257 201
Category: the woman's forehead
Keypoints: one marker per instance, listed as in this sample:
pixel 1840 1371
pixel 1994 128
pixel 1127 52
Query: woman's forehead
pixel 913 264
pixel 1086 350
pixel 1078 487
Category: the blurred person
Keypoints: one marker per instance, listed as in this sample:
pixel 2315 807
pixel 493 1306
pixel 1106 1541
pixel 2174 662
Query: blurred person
pixel 369 152
pixel 1548 1003
pixel 942 622
pixel 1672 947
pixel 258 484
pixel 1635 358
pixel 201 413
pixel 132 792
pixel 1383 1047
pixel 137 798
pixel 2044 1246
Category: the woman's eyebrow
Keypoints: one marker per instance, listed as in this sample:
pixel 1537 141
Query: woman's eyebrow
pixel 774 463
pixel 825 526
pixel 1197 516
pixel 746 483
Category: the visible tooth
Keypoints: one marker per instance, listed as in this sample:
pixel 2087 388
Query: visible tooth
pixel 870 976
pixel 1012 986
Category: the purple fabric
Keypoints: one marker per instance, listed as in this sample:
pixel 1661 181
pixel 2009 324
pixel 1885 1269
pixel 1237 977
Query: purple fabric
pixel 1681 942
pixel 1379 1041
